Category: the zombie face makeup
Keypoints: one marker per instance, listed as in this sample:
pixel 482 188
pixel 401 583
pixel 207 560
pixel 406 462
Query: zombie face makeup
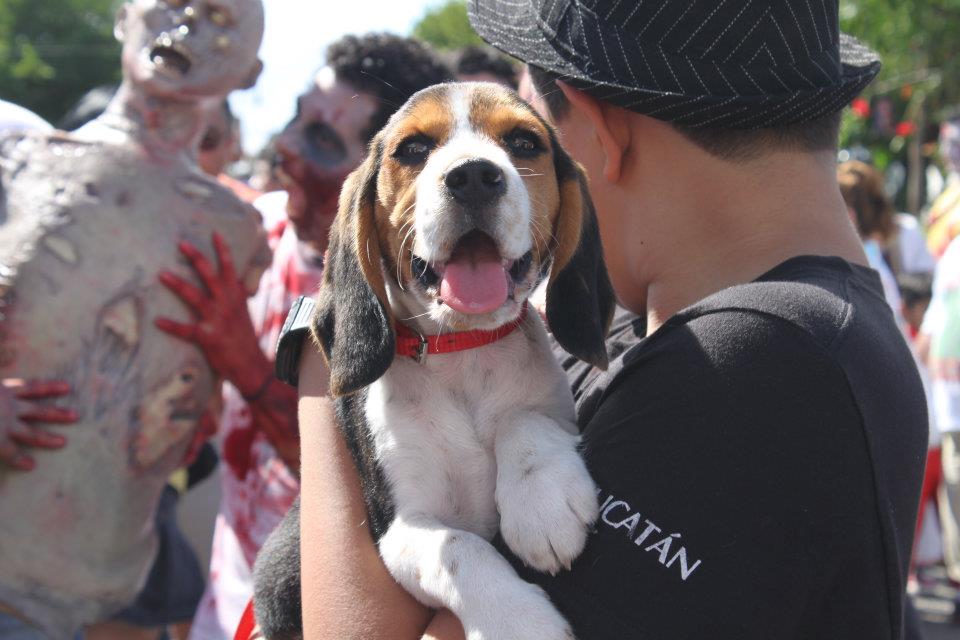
pixel 323 143
pixel 190 48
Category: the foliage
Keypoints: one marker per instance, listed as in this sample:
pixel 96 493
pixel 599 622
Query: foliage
pixel 917 40
pixel 54 51
pixel 446 26
pixel 918 84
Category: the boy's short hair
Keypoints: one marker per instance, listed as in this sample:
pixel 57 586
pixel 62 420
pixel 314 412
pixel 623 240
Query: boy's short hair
pixel 734 145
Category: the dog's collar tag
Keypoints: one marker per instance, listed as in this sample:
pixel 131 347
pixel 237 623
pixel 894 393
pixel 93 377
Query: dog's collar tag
pixel 422 349
pixel 413 344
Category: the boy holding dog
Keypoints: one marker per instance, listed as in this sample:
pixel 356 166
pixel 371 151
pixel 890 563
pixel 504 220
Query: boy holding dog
pixel 759 437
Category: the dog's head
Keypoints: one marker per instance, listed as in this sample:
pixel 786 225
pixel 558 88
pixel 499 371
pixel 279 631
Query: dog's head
pixel 464 203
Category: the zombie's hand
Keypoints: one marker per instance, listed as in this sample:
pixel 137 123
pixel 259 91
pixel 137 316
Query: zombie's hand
pixel 223 330
pixel 20 413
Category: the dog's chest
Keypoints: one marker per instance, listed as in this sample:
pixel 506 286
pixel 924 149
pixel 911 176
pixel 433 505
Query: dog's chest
pixel 434 425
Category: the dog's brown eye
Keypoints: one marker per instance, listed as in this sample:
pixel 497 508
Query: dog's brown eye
pixel 414 150
pixel 523 144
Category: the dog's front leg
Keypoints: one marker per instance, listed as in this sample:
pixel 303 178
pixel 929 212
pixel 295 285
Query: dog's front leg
pixel 545 495
pixel 462 572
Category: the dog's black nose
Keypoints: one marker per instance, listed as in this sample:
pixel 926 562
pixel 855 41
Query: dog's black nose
pixel 476 182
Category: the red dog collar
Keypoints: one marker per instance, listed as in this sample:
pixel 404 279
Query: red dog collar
pixel 410 343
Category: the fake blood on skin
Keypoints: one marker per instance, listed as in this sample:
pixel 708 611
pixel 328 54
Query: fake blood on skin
pixel 313 197
pixel 321 191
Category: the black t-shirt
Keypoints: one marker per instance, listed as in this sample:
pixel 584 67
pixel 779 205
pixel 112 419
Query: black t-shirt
pixel 759 460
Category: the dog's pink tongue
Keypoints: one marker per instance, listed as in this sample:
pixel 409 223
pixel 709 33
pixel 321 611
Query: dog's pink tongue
pixel 474 280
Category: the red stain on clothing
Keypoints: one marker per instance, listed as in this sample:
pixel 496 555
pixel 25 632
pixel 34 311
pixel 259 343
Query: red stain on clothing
pixel 259 488
pixel 237 451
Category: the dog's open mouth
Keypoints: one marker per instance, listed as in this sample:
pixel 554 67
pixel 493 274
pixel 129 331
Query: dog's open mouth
pixel 169 58
pixel 475 278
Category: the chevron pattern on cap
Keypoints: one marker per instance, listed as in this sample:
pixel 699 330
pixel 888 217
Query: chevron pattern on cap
pixel 731 63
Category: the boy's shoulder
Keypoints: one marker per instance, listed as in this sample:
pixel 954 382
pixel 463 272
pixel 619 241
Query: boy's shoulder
pixel 799 319
pixel 822 297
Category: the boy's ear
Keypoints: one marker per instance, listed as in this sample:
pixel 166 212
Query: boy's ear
pixel 607 122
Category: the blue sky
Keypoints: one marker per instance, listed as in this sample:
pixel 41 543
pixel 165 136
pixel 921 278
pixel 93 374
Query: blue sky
pixel 297 32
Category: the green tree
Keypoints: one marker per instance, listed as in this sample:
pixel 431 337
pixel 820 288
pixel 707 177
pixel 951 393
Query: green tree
pixel 54 51
pixel 446 26
pixel 920 79
pixel 917 40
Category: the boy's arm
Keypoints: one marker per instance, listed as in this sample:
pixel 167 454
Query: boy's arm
pixel 347 592
pixel 444 626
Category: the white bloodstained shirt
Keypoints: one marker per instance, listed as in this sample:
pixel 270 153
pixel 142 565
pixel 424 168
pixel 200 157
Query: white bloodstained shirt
pixel 257 486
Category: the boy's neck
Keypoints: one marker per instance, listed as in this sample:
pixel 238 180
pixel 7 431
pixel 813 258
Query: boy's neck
pixel 724 223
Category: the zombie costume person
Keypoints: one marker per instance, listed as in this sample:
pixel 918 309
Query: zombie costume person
pixel 87 221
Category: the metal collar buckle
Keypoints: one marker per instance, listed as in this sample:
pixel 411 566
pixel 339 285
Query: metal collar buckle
pixel 422 349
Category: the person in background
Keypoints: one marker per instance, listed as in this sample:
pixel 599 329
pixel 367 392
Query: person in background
pixel 909 253
pixel 264 178
pixel 166 599
pixel 943 219
pixel 483 64
pixel 916 290
pixel 169 598
pixel 220 144
pixel 893 241
pixel 940 345
pixel 364 80
pixel 873 214
pixel 220 147
pixel 77 531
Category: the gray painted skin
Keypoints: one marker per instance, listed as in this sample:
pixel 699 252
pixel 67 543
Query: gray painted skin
pixel 87 221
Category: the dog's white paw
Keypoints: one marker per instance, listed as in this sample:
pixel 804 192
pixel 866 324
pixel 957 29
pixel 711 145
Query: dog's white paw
pixel 519 612
pixel 546 511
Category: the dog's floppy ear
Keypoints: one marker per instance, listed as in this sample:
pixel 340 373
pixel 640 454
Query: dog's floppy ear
pixel 352 322
pixel 580 298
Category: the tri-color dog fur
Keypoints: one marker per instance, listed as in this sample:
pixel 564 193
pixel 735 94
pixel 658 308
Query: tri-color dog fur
pixel 464 204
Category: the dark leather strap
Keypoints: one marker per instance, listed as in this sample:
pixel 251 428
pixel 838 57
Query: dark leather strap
pixel 290 346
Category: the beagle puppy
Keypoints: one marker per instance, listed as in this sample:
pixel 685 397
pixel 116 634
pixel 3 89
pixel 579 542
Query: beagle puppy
pixel 459 418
